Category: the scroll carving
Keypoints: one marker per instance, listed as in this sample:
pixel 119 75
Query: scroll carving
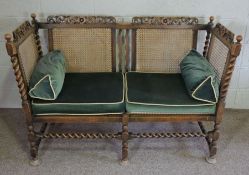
pixel 224 32
pixel 22 31
pixel 81 19
pixel 165 20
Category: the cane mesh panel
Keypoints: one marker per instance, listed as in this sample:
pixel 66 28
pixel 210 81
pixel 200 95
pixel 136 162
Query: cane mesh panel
pixel 217 55
pixel 28 55
pixel 161 50
pixel 85 49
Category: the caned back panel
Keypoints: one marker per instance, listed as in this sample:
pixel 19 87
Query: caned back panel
pixel 85 49
pixel 217 55
pixel 161 50
pixel 28 55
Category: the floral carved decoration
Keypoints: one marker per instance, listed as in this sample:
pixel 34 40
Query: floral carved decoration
pixel 22 31
pixel 61 19
pixel 165 20
pixel 224 32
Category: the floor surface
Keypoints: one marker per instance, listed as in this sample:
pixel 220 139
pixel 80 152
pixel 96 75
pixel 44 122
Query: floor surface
pixel 146 156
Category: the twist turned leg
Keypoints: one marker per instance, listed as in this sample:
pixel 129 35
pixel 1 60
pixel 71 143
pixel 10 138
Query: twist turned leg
pixel 213 137
pixel 33 146
pixel 125 136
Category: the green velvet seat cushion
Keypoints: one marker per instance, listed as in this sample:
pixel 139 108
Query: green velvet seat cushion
pixel 48 76
pixel 200 77
pixel 86 93
pixel 161 93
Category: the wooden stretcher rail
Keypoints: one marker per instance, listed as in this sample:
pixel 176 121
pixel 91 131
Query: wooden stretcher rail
pixel 169 117
pixel 77 118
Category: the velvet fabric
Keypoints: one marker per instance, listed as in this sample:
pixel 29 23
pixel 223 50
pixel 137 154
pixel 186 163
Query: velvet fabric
pixel 48 76
pixel 200 78
pixel 86 93
pixel 161 93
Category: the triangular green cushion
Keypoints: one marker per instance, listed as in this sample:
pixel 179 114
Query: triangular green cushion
pixel 205 91
pixel 200 77
pixel 48 76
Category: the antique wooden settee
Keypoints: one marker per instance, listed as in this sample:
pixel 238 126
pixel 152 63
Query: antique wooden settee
pixel 110 66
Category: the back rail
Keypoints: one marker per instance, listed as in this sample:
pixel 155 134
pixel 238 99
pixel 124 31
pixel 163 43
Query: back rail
pixel 75 28
pixel 188 28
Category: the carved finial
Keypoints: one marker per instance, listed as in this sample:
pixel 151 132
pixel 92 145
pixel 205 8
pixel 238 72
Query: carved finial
pixel 236 47
pixel 239 38
pixel 33 16
pixel 8 37
pixel 11 49
pixel 211 19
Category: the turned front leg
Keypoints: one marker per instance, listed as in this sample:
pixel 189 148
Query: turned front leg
pixel 125 136
pixel 213 137
pixel 33 146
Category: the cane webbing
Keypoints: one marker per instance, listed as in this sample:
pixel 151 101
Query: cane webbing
pixel 85 49
pixel 217 55
pixel 28 55
pixel 161 50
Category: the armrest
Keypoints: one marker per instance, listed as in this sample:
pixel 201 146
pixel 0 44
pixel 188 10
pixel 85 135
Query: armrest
pixel 23 50
pixel 222 54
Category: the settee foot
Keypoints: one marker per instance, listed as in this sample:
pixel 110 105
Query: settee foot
pixel 35 162
pixel 124 162
pixel 211 160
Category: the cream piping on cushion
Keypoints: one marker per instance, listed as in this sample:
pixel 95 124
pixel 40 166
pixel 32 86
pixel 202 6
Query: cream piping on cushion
pixel 200 85
pixel 88 103
pixel 169 113
pixel 154 104
pixel 78 114
pixel 50 83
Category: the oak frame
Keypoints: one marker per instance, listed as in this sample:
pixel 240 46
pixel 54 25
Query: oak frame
pixel 34 137
pixel 223 35
pixel 154 23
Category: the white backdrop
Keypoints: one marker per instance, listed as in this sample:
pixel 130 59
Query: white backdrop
pixel 233 14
